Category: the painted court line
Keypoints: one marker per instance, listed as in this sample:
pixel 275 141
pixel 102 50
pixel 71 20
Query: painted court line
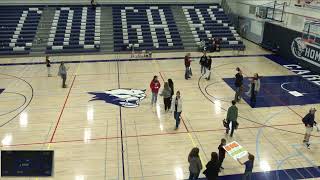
pixel 63 107
pixel 145 135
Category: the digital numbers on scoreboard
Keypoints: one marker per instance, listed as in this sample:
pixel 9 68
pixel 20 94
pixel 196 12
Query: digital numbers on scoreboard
pixel 27 163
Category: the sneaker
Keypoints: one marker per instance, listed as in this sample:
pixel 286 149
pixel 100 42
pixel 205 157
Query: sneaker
pixel 222 167
pixel 304 141
pixel 308 145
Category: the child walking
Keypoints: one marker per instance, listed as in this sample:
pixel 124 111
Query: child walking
pixel 154 86
pixel 249 166
pixel 222 152
pixel 166 93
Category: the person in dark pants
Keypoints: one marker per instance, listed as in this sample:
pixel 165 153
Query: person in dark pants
pixel 202 63
pixel 187 64
pixel 63 74
pixel 176 106
pixel 254 89
pixel 48 64
pixel 212 166
pixel 222 152
pixel 232 116
pixel 239 85
pixel 309 122
pixel 166 93
pixel 208 64
pixel 93 4
pixel 195 164
pixel 249 166
pixel 171 85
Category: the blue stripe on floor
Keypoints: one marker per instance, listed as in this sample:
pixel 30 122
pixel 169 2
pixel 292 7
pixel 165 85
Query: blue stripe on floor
pixel 120 60
pixel 297 173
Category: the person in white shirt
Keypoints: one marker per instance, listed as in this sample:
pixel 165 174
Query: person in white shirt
pixel 176 108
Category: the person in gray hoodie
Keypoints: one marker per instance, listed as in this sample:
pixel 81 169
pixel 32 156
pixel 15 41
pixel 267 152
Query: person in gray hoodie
pixel 63 74
pixel 195 164
pixel 166 93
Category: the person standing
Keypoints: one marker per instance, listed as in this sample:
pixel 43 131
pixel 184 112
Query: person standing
pixel 309 122
pixel 93 4
pixel 212 166
pixel 202 62
pixel 166 93
pixel 232 116
pixel 222 152
pixel 154 86
pixel 249 166
pixel 171 85
pixel 63 74
pixel 195 164
pixel 239 85
pixel 187 64
pixel 254 89
pixel 208 64
pixel 48 64
pixel 176 106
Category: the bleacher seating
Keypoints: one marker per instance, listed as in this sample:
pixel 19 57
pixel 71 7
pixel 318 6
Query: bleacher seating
pixel 207 21
pixel 144 27
pixel 75 29
pixel 18 27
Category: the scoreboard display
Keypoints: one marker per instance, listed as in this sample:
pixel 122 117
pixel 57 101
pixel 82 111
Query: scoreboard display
pixel 27 163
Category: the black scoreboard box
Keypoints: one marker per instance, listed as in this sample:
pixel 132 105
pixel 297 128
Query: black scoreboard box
pixel 27 163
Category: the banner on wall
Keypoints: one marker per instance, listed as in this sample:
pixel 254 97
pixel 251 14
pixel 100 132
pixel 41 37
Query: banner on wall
pixel 306 51
pixel 290 45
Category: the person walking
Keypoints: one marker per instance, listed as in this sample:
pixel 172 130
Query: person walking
pixel 48 64
pixel 232 116
pixel 202 63
pixel 176 107
pixel 239 85
pixel 154 86
pixel 171 85
pixel 208 64
pixel 254 89
pixel 63 74
pixel 222 152
pixel 195 164
pixel 187 64
pixel 309 122
pixel 166 93
pixel 212 166
pixel 249 166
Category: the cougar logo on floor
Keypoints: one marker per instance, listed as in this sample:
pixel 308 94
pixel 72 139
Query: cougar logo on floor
pixel 128 98
pixel 306 51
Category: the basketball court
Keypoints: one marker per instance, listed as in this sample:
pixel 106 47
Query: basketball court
pixel 95 139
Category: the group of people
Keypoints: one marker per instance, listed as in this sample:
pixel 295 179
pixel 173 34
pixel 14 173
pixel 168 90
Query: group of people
pixel 205 66
pixel 62 71
pixel 214 166
pixel 212 45
pixel 254 87
pixel 171 103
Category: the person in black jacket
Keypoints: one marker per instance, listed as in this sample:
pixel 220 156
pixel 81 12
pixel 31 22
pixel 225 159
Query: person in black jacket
pixel 171 85
pixel 222 152
pixel 208 64
pixel 239 85
pixel 213 167
pixel 308 121
pixel 202 62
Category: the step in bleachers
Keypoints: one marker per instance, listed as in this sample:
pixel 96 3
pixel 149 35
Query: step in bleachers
pixel 144 27
pixel 18 27
pixel 208 21
pixel 75 29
